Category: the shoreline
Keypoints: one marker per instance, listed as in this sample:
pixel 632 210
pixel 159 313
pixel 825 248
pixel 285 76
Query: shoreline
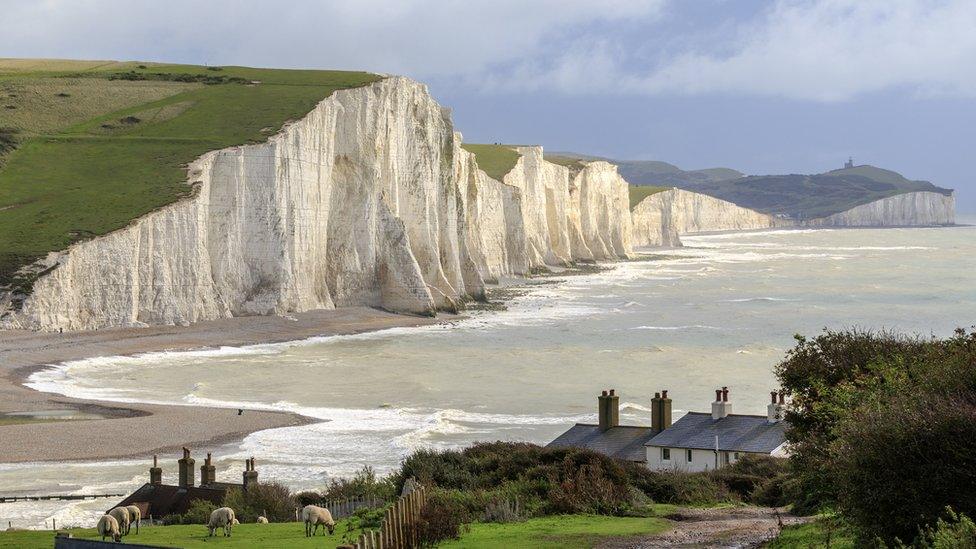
pixel 129 430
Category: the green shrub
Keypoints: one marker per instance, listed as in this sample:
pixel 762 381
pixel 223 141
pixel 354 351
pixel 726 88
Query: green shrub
pixel 197 513
pixel 364 485
pixel 271 499
pixel 953 532
pixel 677 487
pixel 308 497
pixel 442 518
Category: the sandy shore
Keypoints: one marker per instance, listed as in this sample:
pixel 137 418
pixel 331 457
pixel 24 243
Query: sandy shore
pixel 132 430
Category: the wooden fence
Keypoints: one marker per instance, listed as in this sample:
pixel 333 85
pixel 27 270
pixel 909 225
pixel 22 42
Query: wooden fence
pixel 399 528
pixel 341 509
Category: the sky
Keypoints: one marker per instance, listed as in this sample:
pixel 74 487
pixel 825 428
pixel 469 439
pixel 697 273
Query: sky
pixel 774 86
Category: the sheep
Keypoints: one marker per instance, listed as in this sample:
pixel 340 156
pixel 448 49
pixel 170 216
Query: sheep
pixel 262 520
pixel 121 515
pixel 314 515
pixel 236 522
pixel 108 526
pixel 221 518
pixel 135 515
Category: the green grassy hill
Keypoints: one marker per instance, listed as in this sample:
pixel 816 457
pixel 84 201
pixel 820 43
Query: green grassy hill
pixel 88 146
pixel 494 160
pixel 658 173
pixel 640 192
pixel 812 196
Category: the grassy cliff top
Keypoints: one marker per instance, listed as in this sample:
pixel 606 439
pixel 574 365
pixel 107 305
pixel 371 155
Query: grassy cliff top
pixel 494 160
pixel 813 196
pixel 640 192
pixel 88 146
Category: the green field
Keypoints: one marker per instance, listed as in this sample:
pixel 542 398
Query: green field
pixel 494 160
pixel 640 192
pixel 565 532
pixel 814 535
pixel 291 534
pixel 557 532
pixel 97 144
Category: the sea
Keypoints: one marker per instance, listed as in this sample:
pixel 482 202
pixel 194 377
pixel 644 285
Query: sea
pixel 721 311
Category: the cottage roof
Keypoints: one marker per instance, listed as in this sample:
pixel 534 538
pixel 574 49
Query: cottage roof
pixel 160 500
pixel 624 442
pixel 736 433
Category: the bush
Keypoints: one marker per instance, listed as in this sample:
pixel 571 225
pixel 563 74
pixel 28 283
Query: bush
pixel 308 497
pixel 953 532
pixel 884 427
pixel 271 499
pixel 679 488
pixel 364 485
pixel 198 512
pixel 442 518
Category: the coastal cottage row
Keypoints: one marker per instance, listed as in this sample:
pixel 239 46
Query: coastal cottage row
pixel 698 441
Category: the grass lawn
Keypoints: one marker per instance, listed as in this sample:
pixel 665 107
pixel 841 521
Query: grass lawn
pixel 290 534
pixel 116 144
pixel 813 534
pixel 495 160
pixel 640 192
pixel 557 532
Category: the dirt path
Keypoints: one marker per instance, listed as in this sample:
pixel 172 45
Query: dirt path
pixel 733 527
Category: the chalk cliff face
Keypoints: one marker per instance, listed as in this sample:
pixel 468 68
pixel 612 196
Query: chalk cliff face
pixel 661 218
pixel 903 210
pixel 368 200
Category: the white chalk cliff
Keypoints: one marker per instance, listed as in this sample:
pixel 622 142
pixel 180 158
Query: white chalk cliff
pixel 903 210
pixel 661 218
pixel 367 200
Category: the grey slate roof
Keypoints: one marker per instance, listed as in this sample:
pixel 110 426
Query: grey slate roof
pixel 624 442
pixel 736 433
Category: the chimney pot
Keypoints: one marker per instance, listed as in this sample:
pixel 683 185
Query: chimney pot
pixel 725 394
pixel 657 395
pixel 772 396
pixel 612 392
pixel 718 395
pixel 604 392
pixel 782 397
pixel 664 393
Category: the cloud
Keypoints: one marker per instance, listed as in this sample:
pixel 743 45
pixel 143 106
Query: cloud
pixel 420 38
pixel 828 50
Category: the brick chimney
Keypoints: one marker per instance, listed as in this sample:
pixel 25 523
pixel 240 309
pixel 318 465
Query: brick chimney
pixel 721 407
pixel 608 407
pixel 187 472
pixel 660 411
pixel 776 408
pixel 208 472
pixel 155 472
pixel 250 473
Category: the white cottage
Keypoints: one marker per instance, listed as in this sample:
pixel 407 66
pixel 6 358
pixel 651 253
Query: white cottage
pixel 700 441
pixel 696 442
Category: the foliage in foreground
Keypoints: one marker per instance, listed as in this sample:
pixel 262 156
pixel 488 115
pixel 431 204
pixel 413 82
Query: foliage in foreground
pixel 884 427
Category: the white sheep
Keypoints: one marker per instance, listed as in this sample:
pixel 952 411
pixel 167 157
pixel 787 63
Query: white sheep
pixel 315 515
pixel 221 518
pixel 121 515
pixel 108 526
pixel 236 522
pixel 135 516
pixel 262 520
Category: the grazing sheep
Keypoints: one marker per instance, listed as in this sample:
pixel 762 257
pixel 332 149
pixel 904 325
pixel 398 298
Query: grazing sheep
pixel 262 520
pixel 314 515
pixel 135 516
pixel 121 515
pixel 221 518
pixel 236 522
pixel 108 526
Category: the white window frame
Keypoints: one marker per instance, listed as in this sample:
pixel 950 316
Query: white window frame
pixel 665 454
pixel 688 454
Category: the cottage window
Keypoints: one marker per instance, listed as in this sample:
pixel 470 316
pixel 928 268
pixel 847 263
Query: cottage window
pixel 666 454
pixel 689 456
pixel 725 457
